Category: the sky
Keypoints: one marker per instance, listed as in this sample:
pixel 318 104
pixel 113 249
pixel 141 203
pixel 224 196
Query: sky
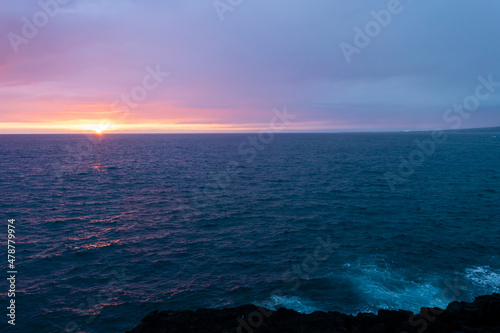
pixel 178 66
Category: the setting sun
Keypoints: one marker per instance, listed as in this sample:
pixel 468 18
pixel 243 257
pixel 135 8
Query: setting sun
pixel 98 128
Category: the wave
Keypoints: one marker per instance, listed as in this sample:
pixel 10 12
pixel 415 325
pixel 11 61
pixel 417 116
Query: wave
pixel 380 286
pixel 288 302
pixel 386 288
pixel 484 278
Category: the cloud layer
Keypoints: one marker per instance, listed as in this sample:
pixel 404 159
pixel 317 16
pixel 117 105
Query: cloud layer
pixel 230 65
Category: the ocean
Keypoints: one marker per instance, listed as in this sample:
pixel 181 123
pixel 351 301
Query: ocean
pixel 111 227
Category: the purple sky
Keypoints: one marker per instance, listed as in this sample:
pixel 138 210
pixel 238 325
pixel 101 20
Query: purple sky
pixel 229 66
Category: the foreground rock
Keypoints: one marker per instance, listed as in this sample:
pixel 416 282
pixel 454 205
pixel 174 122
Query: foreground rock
pixel 483 315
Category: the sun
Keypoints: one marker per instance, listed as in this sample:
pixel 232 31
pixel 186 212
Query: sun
pixel 99 129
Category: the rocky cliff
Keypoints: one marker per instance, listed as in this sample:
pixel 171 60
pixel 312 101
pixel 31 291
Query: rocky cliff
pixel 482 315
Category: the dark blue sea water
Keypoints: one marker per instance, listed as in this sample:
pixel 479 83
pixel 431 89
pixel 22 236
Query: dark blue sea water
pixel 110 228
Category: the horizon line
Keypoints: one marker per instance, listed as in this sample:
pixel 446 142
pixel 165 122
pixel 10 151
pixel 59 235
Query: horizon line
pixel 359 131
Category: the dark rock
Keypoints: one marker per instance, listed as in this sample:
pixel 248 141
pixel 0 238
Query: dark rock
pixel 480 316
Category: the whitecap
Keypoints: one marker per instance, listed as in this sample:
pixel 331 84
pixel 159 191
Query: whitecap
pixel 485 278
pixel 288 302
pixel 385 288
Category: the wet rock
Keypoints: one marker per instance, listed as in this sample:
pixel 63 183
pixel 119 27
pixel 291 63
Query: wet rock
pixel 480 316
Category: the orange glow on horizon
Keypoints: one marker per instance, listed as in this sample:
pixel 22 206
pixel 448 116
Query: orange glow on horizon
pixel 100 127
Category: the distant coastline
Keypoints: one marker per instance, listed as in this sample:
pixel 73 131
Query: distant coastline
pixel 481 129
